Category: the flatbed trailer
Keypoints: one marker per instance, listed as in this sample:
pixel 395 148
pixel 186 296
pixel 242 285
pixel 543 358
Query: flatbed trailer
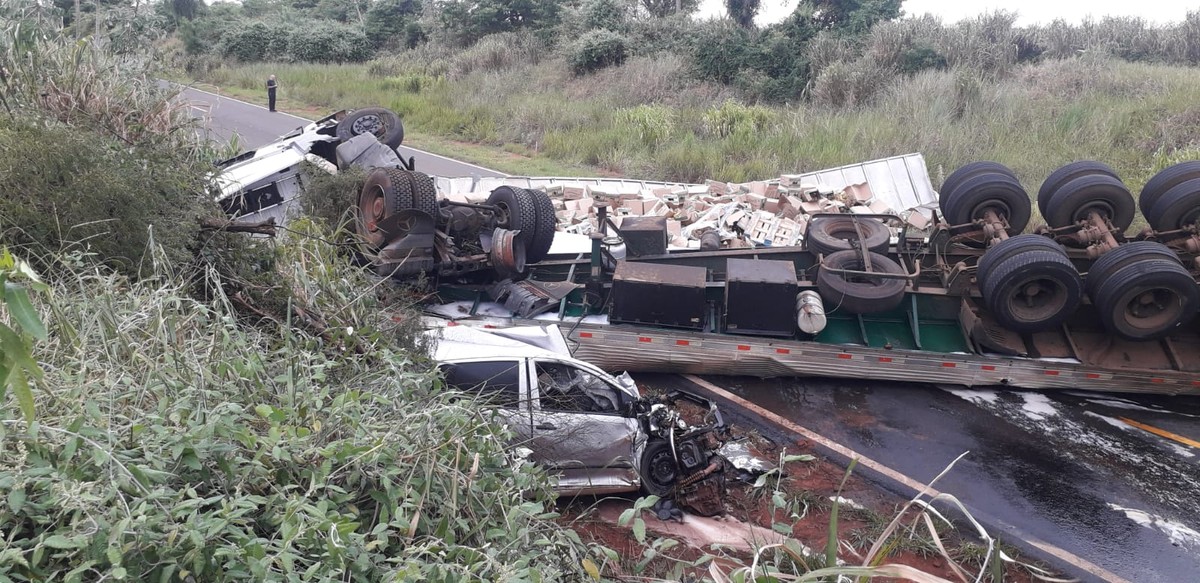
pixel 942 331
pixel 933 336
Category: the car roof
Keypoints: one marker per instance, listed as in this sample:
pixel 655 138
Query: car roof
pixel 453 343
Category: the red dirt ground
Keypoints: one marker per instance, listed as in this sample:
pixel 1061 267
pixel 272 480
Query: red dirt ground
pixel 808 488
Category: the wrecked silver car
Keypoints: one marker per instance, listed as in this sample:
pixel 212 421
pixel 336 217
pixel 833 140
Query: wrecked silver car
pixel 595 431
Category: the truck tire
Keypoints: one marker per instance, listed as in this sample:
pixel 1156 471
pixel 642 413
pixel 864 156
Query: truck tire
pixel 1032 290
pixel 424 193
pixel 1095 192
pixel 860 294
pixel 382 122
pixel 1009 247
pixel 832 234
pixel 516 210
pixel 658 470
pixel 544 227
pixel 1147 300
pixel 968 201
pixel 974 168
pixel 1176 208
pixel 1165 180
pixel 1118 258
pixel 1067 173
pixel 386 192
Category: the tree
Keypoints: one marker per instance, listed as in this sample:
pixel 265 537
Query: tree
pixel 743 11
pixel 469 20
pixel 850 16
pixel 387 20
pixel 665 8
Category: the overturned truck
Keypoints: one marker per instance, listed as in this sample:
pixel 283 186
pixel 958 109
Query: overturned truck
pixel 862 271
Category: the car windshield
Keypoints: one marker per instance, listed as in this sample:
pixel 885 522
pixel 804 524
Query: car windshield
pixel 567 388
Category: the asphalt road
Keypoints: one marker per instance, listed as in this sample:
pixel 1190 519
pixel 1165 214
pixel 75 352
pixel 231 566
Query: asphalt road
pixel 1064 468
pixel 249 126
pixel 1060 467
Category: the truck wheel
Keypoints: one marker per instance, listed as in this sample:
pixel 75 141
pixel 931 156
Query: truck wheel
pixel 1096 192
pixel 1067 173
pixel 424 193
pixel 860 294
pixel 1032 290
pixel 1176 208
pixel 973 169
pixel 386 192
pixel 832 234
pixel 516 211
pixel 1147 299
pixel 990 190
pixel 544 226
pixel 659 471
pixel 382 122
pixel 1007 248
pixel 1118 258
pixel 1165 180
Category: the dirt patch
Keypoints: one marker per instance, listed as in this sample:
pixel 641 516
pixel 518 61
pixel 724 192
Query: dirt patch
pixel 797 506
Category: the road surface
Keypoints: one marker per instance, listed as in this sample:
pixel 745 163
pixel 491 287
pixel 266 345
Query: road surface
pixel 249 126
pixel 1113 479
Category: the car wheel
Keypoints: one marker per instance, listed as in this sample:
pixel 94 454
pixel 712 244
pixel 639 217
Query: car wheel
pixel 383 123
pixel 831 234
pixel 659 471
pixel 859 294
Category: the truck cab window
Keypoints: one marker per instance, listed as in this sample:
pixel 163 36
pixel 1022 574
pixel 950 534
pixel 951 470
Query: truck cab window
pixel 496 382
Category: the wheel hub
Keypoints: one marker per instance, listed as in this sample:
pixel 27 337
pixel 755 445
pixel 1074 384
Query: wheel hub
pixel 368 124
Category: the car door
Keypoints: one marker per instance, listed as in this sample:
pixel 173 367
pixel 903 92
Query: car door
pixel 580 427
pixel 500 384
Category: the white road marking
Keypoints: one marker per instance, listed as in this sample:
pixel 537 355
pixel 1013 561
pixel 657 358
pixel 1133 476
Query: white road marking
pixel 911 483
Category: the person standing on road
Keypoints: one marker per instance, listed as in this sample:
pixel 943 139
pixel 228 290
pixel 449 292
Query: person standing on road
pixel 271 85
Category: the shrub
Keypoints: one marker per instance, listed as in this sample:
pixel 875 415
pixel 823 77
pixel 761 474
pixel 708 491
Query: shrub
pixel 722 51
pixel 604 14
pixel 497 52
pixel 732 118
pixel 329 43
pixel 257 41
pixel 596 50
pixel 653 123
pixel 853 84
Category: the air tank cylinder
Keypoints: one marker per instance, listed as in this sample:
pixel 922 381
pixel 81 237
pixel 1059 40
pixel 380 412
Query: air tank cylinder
pixel 810 312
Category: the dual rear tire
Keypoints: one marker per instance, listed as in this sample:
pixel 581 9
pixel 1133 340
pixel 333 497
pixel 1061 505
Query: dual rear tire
pixel 1142 291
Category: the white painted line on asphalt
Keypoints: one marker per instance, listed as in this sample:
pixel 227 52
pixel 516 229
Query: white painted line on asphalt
pixel 912 483
pixel 421 152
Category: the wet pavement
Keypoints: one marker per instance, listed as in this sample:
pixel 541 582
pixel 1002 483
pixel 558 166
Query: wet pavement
pixel 1062 467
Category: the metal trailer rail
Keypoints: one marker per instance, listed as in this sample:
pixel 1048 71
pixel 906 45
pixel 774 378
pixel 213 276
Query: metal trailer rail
pixel 645 349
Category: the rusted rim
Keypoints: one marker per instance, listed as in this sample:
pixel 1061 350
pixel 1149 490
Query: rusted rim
pixel 508 256
pixel 1150 310
pixel 371 210
pixel 1038 299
